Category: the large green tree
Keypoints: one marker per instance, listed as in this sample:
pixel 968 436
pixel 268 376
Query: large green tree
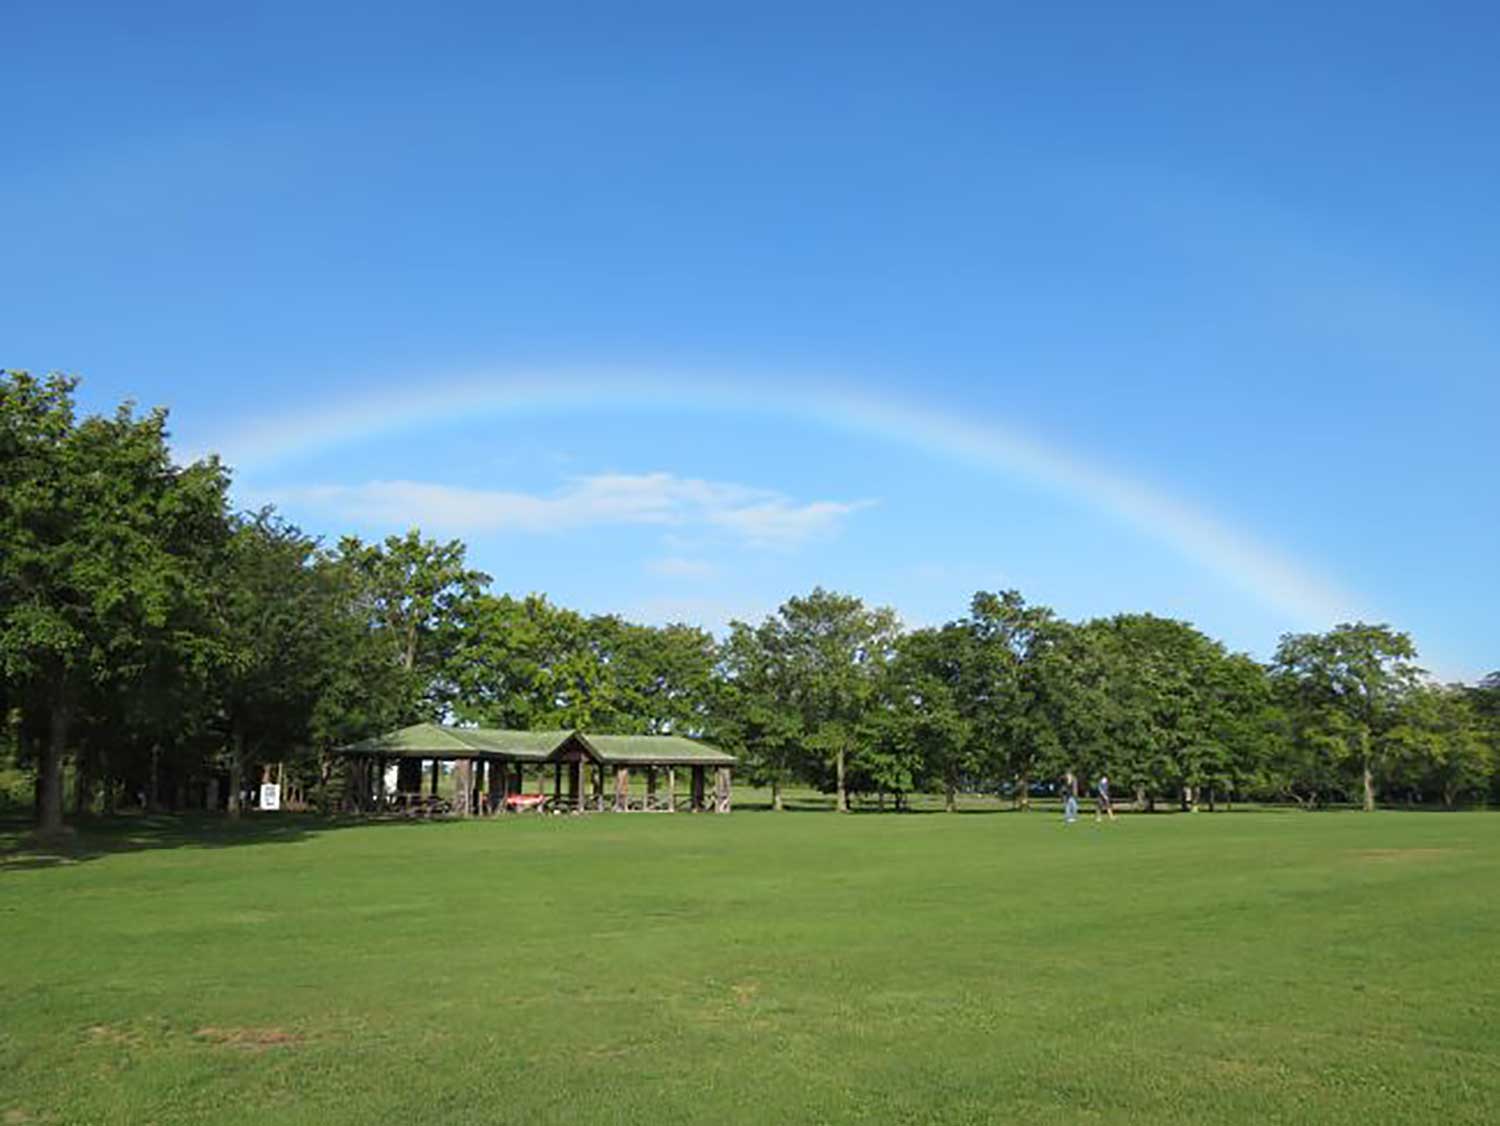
pixel 525 663
pixel 1012 686
pixel 102 535
pixel 418 594
pixel 918 732
pixel 1349 685
pixel 832 647
pixel 752 709
pixel 274 618
pixel 657 678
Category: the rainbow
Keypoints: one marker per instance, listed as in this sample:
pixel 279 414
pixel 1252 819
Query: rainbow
pixel 1293 592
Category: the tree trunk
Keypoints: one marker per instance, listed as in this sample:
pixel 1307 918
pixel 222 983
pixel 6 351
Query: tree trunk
pixel 236 773
pixel 49 773
pixel 1140 798
pixel 1369 789
pixel 1023 792
pixel 153 784
pixel 83 787
pixel 776 803
pixel 950 796
pixel 843 798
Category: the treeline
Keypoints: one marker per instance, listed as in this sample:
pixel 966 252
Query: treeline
pixel 158 648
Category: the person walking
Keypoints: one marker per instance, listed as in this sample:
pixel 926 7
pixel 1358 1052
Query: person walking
pixel 1070 798
pixel 1102 804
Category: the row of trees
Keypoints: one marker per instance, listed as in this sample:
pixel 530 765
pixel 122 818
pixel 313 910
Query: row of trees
pixel 157 646
pixel 830 691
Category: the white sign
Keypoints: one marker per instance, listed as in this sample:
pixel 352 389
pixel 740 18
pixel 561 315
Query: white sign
pixel 270 795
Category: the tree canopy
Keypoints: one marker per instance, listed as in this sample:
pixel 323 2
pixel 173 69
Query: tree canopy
pixel 159 648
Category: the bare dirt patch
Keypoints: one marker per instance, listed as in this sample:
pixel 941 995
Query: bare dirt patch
pixel 248 1039
pixel 110 1034
pixel 1402 854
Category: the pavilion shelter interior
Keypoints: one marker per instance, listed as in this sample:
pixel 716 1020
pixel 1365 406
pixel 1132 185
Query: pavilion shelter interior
pixel 495 769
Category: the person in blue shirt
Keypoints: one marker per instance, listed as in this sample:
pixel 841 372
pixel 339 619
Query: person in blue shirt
pixel 1102 804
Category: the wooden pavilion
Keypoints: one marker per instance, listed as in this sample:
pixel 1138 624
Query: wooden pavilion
pixel 587 772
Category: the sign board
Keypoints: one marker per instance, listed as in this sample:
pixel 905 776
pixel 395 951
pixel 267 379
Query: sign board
pixel 270 795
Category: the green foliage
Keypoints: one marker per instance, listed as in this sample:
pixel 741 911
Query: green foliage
pixel 826 651
pixel 163 649
pixel 1349 687
pixel 917 735
pixel 752 712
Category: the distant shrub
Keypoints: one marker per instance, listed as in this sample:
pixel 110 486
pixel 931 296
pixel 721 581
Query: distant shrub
pixel 15 789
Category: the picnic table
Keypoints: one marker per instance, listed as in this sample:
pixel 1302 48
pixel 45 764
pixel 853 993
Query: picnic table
pixel 422 805
pixel 516 803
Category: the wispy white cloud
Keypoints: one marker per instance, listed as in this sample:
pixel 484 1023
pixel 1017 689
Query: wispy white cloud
pixel 755 516
pixel 712 613
pixel 679 567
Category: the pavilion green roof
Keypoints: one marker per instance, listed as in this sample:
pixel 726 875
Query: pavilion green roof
pixel 432 740
pixel 664 750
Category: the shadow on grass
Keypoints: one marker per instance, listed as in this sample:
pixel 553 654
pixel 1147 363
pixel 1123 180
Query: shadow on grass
pixel 90 838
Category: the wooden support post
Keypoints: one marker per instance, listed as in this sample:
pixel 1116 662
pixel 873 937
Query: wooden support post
pixel 557 783
pixel 721 790
pixel 463 772
pixel 434 777
pixel 622 789
pixel 499 779
pixel 650 787
pixel 671 789
pixel 698 787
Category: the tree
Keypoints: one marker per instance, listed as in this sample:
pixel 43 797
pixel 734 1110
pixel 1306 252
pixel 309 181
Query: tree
pixel 101 532
pixel 1436 746
pixel 917 732
pixel 1349 684
pixel 418 593
pixel 1484 700
pixel 525 663
pixel 752 711
pixel 1011 689
pixel 656 679
pixel 831 647
pixel 272 618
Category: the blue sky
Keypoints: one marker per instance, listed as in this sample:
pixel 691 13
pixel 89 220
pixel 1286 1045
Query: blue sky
pixel 676 311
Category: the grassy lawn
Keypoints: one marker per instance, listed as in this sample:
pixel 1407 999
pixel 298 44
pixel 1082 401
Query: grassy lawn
pixel 1248 966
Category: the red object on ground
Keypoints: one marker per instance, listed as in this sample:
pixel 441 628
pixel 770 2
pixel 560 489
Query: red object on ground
pixel 524 801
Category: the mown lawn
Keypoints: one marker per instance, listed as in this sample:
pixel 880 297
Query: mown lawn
pixel 806 967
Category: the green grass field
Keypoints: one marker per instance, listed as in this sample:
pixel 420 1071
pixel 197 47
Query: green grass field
pixel 1235 967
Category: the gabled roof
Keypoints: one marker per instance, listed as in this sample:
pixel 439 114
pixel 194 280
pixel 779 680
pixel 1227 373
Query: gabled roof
pixel 527 746
pixel 659 750
pixel 432 740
